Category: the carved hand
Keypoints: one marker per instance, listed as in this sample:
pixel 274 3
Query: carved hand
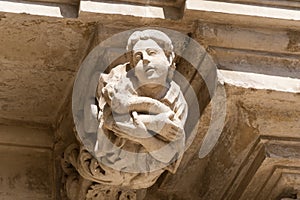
pixel 133 129
pixel 163 124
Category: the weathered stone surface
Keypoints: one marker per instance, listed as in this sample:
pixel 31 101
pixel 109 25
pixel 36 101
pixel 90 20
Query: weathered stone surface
pixel 26 169
pixel 280 3
pixel 140 114
pixel 39 57
pixel 25 173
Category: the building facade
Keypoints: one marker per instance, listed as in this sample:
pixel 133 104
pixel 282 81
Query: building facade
pixel 247 138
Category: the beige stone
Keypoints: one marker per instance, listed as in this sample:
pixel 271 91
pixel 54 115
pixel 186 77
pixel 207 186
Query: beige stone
pixel 141 113
pixel 256 43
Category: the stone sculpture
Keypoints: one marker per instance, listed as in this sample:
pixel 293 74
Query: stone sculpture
pixel 141 114
pixel 142 111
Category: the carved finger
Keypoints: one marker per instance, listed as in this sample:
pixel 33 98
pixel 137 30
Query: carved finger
pixel 146 104
pixel 170 114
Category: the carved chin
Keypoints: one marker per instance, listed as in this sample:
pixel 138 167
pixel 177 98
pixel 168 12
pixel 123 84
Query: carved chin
pixel 153 77
pixel 154 80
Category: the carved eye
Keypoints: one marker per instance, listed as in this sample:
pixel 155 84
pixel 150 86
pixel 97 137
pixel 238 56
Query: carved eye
pixel 151 52
pixel 138 56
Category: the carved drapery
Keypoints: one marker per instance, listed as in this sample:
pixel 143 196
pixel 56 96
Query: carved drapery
pixel 141 113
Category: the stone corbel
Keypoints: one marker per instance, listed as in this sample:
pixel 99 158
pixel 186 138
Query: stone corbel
pixel 81 179
pixel 131 120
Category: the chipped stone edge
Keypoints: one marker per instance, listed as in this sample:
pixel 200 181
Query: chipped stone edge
pixel 240 9
pixel 50 10
pixel 259 81
pixel 122 9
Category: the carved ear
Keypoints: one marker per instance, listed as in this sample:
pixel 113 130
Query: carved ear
pixel 131 65
pixel 170 57
pixel 172 66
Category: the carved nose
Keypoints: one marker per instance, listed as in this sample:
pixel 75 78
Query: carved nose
pixel 146 58
pixel 145 61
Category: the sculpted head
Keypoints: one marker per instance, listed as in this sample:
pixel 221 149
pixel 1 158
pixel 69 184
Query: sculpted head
pixel 152 57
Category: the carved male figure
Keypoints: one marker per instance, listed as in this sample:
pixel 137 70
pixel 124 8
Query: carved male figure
pixel 142 113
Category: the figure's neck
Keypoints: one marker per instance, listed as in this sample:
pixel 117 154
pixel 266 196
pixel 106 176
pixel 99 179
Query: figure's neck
pixel 154 91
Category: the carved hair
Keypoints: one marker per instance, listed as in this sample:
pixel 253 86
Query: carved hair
pixel 161 39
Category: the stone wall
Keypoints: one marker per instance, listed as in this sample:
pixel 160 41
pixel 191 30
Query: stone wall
pixel 27 170
pixel 257 55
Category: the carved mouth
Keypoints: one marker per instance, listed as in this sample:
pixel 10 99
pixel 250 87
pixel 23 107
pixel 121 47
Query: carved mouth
pixel 150 69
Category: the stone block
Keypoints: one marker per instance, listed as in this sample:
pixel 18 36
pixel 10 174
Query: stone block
pixel 25 173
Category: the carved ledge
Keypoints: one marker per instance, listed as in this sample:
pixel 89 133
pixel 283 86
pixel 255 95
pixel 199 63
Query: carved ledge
pixel 270 170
